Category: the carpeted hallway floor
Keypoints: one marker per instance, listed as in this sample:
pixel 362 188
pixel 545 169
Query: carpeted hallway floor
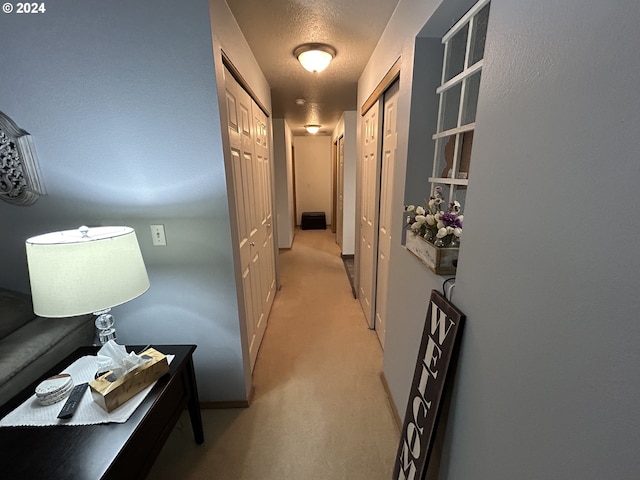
pixel 320 410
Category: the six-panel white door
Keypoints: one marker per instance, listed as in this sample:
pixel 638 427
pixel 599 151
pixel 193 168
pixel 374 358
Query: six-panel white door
pixel 340 206
pixel 369 211
pixel 389 136
pixel 249 149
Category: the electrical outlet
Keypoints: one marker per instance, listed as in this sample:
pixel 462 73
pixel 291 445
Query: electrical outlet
pixel 157 235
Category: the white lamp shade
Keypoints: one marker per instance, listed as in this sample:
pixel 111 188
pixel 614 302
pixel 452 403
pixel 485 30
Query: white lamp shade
pixel 315 60
pixel 74 274
pixel 313 129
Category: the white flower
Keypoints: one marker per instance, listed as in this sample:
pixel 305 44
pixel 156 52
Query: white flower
pixel 431 220
pixel 431 203
pixel 410 208
pixel 415 226
pixel 461 217
pixel 440 224
pixel 449 230
pixel 457 232
pixel 420 211
pixel 442 233
pixel 421 219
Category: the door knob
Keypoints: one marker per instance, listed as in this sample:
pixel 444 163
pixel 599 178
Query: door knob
pixel 253 244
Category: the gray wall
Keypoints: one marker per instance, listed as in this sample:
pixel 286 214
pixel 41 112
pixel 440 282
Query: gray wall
pixel 346 128
pixel 121 100
pixel 312 159
pixel 283 182
pixel 350 162
pixel 429 53
pixel 547 385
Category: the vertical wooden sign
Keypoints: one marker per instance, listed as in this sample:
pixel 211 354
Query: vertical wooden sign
pixel 436 348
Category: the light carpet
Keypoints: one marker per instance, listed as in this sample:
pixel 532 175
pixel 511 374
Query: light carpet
pixel 320 410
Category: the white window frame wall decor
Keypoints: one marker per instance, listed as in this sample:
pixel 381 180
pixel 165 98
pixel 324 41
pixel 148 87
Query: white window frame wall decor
pixel 458 100
pixel 20 180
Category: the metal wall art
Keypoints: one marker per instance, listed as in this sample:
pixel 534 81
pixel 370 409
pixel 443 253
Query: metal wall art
pixel 20 180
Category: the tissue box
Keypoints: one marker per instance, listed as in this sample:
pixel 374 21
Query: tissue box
pixel 110 395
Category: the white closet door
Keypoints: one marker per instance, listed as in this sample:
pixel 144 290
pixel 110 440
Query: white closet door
pixel 389 137
pixel 340 207
pixel 248 139
pixel 369 211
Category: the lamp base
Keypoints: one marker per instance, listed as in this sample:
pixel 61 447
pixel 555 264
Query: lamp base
pixel 105 325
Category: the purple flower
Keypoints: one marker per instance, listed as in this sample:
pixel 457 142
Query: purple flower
pixel 450 220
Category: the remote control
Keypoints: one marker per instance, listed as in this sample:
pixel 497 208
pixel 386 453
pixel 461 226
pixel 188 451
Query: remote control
pixel 72 402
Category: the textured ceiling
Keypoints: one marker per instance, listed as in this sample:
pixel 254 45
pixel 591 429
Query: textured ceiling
pixel 274 28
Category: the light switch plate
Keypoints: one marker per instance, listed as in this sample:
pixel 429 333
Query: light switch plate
pixel 158 236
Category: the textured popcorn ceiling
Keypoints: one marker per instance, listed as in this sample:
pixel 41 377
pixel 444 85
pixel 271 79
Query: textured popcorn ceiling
pixel 274 28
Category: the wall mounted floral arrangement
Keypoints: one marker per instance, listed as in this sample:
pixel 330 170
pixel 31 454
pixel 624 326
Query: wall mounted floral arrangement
pixel 434 235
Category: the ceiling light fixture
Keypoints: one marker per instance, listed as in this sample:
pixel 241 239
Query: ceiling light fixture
pixel 315 57
pixel 312 129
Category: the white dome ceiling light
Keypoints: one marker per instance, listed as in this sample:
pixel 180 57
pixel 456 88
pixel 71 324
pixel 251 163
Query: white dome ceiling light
pixel 315 57
pixel 312 129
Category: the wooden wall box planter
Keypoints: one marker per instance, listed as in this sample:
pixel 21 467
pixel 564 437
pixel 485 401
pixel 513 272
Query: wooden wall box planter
pixel 439 260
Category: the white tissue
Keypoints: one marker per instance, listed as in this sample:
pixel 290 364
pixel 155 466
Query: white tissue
pixel 115 357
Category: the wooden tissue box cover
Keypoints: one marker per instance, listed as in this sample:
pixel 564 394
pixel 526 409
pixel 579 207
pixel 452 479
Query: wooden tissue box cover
pixel 110 395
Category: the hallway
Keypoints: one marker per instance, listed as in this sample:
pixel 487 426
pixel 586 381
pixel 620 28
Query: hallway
pixel 319 410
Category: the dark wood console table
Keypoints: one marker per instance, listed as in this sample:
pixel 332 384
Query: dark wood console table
pixel 107 451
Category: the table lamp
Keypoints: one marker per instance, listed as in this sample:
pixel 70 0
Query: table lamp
pixel 88 270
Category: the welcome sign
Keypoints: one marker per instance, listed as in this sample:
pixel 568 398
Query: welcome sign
pixel 438 341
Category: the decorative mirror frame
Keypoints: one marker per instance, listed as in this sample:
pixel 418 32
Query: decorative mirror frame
pixel 20 179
